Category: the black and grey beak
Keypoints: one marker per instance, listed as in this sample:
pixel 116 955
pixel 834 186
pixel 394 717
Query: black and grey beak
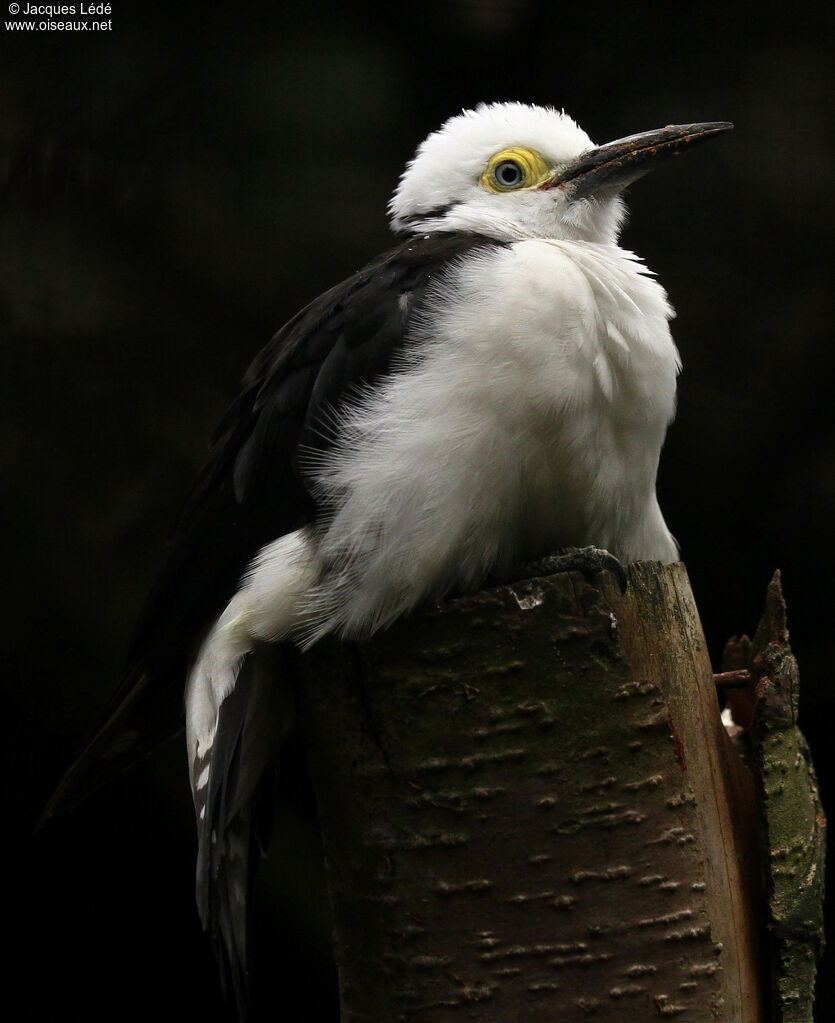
pixel 619 163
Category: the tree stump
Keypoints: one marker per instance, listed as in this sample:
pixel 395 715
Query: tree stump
pixel 790 821
pixel 531 811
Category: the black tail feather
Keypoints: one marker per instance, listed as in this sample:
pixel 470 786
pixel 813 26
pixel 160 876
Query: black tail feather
pixel 252 722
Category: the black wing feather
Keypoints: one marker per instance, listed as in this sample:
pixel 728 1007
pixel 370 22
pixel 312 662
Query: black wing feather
pixel 251 490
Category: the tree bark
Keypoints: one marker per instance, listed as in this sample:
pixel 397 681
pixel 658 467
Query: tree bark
pixel 531 811
pixel 790 822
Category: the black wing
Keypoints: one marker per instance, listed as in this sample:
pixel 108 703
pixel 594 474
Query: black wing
pixel 252 491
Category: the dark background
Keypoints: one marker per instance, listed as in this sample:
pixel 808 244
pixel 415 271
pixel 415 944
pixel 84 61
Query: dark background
pixel 173 191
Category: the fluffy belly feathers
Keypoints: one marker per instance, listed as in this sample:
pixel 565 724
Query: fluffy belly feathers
pixel 527 415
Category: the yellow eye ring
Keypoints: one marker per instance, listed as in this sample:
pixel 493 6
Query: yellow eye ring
pixel 514 168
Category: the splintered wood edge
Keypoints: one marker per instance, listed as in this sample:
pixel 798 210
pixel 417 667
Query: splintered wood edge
pixel 723 787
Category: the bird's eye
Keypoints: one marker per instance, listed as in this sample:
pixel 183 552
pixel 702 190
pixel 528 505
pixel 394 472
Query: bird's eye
pixel 514 168
pixel 508 174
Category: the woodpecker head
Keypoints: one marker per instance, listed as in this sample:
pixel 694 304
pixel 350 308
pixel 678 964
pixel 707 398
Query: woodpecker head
pixel 512 171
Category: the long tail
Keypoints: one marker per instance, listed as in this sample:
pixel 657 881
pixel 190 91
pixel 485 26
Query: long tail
pixel 251 724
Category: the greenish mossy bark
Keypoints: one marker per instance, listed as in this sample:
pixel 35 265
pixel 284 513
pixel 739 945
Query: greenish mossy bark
pixel 791 824
pixel 531 811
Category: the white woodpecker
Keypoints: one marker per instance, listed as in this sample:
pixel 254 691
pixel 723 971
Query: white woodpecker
pixel 494 389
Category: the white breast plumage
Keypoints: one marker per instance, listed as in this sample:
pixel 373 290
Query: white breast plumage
pixel 526 414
